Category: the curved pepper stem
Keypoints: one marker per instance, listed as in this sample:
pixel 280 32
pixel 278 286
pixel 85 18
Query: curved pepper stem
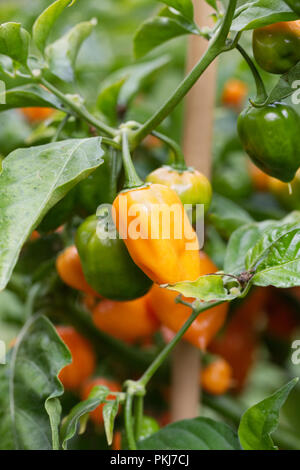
pixel 261 94
pixel 132 180
pixel 178 157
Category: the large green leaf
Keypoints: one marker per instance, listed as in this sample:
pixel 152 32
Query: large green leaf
pixel 193 434
pixel 261 420
pixel 32 181
pixel 241 242
pixel 14 42
pixel 29 95
pixel 253 14
pixel 286 85
pixel 226 216
pixel 80 411
pixel 62 54
pixel 44 23
pixel 29 389
pixel 155 31
pixel 185 7
pixel 122 86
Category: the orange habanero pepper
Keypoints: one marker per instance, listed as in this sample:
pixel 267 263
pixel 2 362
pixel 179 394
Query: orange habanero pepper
pixel 166 258
pixel 83 358
pixel 68 266
pixel 173 315
pixel 216 378
pixel 128 321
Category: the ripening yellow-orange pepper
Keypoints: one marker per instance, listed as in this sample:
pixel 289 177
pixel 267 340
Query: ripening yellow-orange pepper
pixel 166 252
pixel 174 315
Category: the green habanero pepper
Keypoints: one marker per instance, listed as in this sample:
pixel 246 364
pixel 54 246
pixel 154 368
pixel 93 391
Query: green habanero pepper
pixel 191 186
pixel 270 135
pixel 276 47
pixel 106 263
pixel 294 5
pixel 148 427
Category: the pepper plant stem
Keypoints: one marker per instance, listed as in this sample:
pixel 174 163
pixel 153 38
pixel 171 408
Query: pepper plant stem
pixel 139 411
pixel 261 94
pixel 215 48
pixel 143 381
pixel 80 110
pixel 128 422
pixel 132 180
pixel 179 161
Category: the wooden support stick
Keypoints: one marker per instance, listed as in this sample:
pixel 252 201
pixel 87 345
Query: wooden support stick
pixel 186 363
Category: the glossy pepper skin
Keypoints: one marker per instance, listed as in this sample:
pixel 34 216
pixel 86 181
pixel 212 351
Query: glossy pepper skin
pixel 270 136
pixel 83 358
pixel 174 315
pixel 59 214
pixel 294 5
pixel 191 186
pixel 69 268
pixel 107 265
pixel 216 378
pixel 164 260
pixel 128 321
pixel 276 47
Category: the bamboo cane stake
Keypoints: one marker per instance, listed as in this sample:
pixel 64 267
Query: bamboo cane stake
pixel 199 108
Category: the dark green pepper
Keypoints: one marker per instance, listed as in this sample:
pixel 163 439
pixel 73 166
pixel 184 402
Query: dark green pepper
pixel 294 5
pixel 59 214
pixel 106 263
pixel 270 135
pixel 99 187
pixel 276 47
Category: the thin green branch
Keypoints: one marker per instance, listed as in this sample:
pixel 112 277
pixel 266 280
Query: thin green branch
pixel 60 128
pixel 79 109
pixel 139 413
pixel 215 48
pixel 129 422
pixel 261 94
pixel 143 381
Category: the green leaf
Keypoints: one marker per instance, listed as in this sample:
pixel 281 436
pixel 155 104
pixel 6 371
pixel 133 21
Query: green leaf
pixel 107 101
pixel 226 216
pixel 62 54
pixel 257 13
pixel 208 288
pixel 14 42
pixel 158 30
pixel 32 181
pixel 29 95
pixel 45 22
pixel 239 244
pixel 193 434
pixel 285 86
pixel 212 3
pixel 121 87
pixel 261 420
pixel 185 7
pixel 29 388
pixel 110 411
pixel 71 422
